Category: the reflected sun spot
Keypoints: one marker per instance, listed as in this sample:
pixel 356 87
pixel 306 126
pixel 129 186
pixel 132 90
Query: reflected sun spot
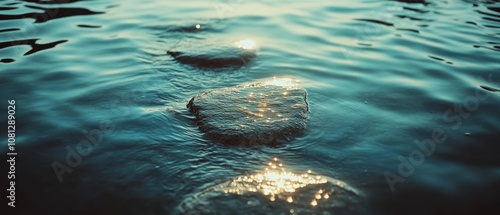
pixel 246 44
pixel 283 82
pixel 278 183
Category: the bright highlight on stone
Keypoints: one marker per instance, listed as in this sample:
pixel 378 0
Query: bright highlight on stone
pixel 276 191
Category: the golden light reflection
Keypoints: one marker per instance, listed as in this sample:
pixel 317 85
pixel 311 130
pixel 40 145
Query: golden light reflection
pixel 314 202
pixel 283 82
pixel 280 184
pixel 261 104
pixel 280 189
pixel 246 44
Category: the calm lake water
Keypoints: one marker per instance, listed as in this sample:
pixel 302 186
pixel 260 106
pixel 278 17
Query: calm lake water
pixel 402 101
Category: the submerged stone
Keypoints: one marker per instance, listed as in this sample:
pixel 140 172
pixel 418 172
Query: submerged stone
pixel 267 113
pixel 214 54
pixel 276 190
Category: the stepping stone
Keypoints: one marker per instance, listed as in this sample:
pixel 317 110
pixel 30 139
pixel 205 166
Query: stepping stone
pixel 276 190
pixel 266 113
pixel 214 54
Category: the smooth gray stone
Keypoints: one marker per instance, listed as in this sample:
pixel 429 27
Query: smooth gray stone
pixel 214 54
pixel 276 191
pixel 266 113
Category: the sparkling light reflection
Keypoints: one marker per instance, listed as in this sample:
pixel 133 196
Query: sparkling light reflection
pixel 246 44
pixel 283 82
pixel 279 183
pixel 261 106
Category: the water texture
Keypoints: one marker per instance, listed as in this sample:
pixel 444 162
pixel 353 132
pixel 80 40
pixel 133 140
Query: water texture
pixel 403 101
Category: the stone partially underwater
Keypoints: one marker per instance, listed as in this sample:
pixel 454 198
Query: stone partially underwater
pixel 276 190
pixel 214 54
pixel 266 113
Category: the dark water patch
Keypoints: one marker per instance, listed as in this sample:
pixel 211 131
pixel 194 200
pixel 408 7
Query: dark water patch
pixel 491 19
pixel 376 21
pixel 492 26
pixel 112 6
pixel 9 29
pixel 464 198
pixel 50 14
pixel 489 88
pixel 472 23
pixel 407 29
pixel 496 9
pixel 192 28
pixel 413 18
pixel 365 44
pixel 8 8
pixel 31 42
pixel 89 26
pixel 494 48
pixel 436 58
pixel 415 9
pixel 12 3
pixel 488 14
pixel 52 1
pixel 475 149
pixel 7 60
pixel 195 28
pixel 423 2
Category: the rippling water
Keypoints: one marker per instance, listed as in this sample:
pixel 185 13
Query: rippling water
pixel 402 94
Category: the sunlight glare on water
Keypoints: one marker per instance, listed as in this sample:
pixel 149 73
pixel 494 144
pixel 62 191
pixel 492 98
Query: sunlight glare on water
pixel 246 44
pixel 288 83
pixel 281 188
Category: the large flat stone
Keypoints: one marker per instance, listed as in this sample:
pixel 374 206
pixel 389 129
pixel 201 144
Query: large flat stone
pixel 267 113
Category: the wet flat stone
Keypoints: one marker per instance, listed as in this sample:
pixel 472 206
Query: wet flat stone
pixel 276 190
pixel 265 113
pixel 214 54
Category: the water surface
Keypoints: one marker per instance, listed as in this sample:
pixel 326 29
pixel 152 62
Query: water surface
pixel 380 76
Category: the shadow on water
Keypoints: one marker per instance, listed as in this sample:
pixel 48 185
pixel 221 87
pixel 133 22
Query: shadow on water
pixel 52 1
pixel 34 46
pixel 49 14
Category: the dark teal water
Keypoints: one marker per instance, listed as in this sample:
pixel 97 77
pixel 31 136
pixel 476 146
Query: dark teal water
pixel 380 76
